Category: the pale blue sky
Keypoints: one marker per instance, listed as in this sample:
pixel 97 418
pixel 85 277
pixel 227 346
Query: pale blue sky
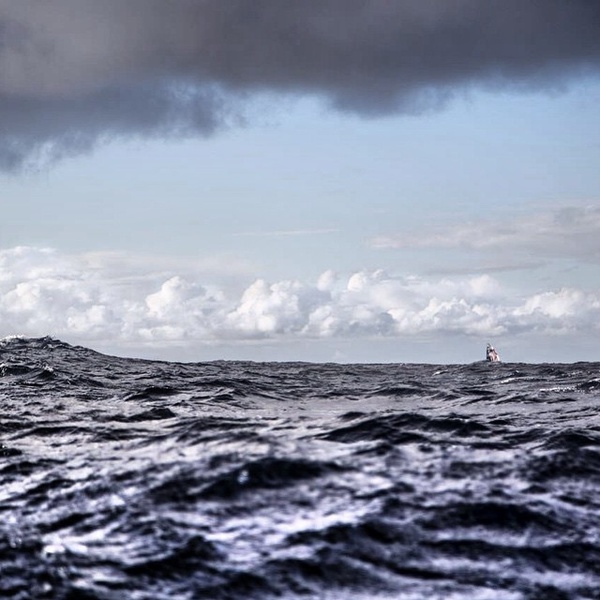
pixel 485 152
pixel 307 169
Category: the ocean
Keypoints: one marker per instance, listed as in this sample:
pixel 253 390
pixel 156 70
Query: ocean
pixel 134 479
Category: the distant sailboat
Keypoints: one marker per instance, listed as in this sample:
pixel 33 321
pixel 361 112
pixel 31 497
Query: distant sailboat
pixel 491 355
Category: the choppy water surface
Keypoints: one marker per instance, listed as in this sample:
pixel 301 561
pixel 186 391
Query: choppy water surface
pixel 133 479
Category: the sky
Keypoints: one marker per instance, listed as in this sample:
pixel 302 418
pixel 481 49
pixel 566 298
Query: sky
pixel 332 180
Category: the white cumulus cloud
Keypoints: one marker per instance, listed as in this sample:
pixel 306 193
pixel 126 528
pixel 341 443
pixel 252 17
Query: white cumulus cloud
pixel 45 292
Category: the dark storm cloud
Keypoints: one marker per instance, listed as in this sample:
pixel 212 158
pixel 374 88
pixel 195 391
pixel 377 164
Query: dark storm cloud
pixel 75 72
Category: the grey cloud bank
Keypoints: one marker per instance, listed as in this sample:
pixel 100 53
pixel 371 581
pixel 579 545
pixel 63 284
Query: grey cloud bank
pixel 77 72
pixel 569 232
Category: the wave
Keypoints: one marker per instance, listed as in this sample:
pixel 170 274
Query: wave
pixel 144 479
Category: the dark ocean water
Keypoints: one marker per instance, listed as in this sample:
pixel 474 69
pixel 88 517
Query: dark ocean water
pixel 129 479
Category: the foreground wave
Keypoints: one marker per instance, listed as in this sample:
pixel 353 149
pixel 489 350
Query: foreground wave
pixel 124 478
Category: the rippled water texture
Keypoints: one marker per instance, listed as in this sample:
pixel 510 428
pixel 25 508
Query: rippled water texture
pixel 129 479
